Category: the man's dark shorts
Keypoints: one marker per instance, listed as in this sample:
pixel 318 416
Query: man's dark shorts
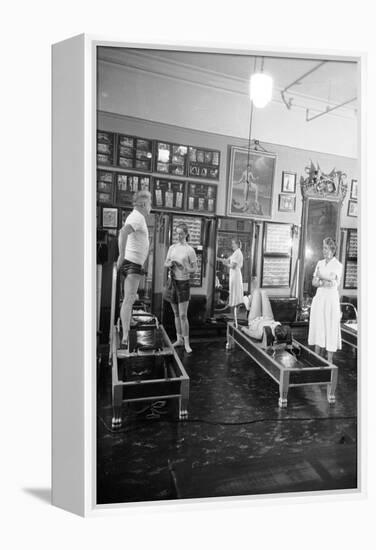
pixel 128 267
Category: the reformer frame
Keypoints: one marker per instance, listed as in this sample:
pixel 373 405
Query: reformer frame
pixel 288 371
pixel 173 385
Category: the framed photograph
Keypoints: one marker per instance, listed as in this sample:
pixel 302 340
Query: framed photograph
pixel 288 182
pixel 203 163
pixel 105 148
pixel 354 190
pixel 109 217
pixel 286 203
pixel 135 153
pixel 194 225
pixel 127 185
pixel 171 158
pixel 105 187
pixel 352 209
pixel 250 186
pixel 202 198
pixel 168 194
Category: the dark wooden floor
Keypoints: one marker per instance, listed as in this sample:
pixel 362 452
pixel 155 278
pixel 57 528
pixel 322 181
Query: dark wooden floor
pixel 237 440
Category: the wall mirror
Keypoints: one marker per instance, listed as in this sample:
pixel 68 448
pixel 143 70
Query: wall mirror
pixel 321 220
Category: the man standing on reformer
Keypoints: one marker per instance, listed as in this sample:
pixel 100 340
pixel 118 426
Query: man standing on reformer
pixel 133 252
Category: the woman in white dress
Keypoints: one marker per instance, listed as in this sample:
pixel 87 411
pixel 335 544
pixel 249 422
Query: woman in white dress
pixel 235 264
pixel 325 317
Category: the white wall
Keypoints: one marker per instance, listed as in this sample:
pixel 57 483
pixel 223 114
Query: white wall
pixel 216 107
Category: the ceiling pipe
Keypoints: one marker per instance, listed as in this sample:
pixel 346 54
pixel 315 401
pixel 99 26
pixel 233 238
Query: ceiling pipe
pixel 298 81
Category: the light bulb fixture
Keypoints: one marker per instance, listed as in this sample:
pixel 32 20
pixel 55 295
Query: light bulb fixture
pixel 260 87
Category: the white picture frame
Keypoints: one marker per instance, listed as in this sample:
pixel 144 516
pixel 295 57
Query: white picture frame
pixel 74 319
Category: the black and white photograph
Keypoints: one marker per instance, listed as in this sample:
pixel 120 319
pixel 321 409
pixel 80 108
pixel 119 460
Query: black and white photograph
pixel 288 182
pixel 352 209
pixel 190 371
pixel 286 203
pixel 354 190
pixel 227 332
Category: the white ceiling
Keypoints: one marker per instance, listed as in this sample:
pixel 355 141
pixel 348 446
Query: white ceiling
pixel 333 83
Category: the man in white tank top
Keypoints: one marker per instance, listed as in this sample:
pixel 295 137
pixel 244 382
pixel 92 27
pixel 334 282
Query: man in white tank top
pixel 133 252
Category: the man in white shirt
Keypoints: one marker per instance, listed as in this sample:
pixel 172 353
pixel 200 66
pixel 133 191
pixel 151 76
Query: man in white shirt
pixel 133 252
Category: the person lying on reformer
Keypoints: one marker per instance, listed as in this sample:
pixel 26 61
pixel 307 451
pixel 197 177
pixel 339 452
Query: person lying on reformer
pixel 261 323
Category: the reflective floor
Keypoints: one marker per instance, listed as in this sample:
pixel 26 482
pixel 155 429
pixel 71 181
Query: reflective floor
pixel 237 441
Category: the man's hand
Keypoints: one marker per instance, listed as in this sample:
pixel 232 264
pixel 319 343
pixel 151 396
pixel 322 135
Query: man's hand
pixel 119 263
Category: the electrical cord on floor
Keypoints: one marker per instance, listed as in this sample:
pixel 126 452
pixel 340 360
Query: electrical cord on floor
pixel 156 418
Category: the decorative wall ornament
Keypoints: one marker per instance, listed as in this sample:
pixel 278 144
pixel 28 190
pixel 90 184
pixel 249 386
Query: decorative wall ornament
pixel 325 186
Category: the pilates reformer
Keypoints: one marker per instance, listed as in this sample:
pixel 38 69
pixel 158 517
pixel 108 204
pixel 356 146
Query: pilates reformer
pixel 289 364
pixel 349 327
pixel 149 369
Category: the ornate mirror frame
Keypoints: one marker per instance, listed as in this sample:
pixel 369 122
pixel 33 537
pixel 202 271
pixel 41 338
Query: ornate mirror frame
pixel 318 190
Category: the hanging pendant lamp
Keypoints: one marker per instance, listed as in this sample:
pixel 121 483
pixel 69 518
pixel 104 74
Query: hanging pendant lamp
pixel 260 88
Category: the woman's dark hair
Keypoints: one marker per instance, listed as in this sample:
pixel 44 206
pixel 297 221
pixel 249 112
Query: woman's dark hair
pixel 331 244
pixel 184 227
pixel 237 241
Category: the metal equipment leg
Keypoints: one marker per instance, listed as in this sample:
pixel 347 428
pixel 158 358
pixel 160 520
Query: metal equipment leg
pixel 283 389
pixel 183 400
pixel 117 397
pixel 229 339
pixel 331 388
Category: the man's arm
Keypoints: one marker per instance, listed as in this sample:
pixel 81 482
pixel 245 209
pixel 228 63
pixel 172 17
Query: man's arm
pixel 123 236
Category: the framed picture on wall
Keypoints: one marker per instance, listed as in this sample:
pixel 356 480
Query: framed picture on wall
pixel 250 186
pixel 202 198
pixel 352 209
pixel 354 190
pixel 109 217
pixel 288 182
pixel 286 203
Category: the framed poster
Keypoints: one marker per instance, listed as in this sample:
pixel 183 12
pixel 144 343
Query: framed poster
pixel 277 252
pixel 109 218
pixel 286 203
pixel 354 190
pixel 171 158
pixel 250 185
pixel 276 271
pixel 105 187
pixel 135 153
pixel 352 209
pixel 288 182
pixel 201 198
pixel 168 194
pixel 203 163
pixel 277 238
pixel 105 148
pixel 194 229
pixel 126 185
pixel 351 260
